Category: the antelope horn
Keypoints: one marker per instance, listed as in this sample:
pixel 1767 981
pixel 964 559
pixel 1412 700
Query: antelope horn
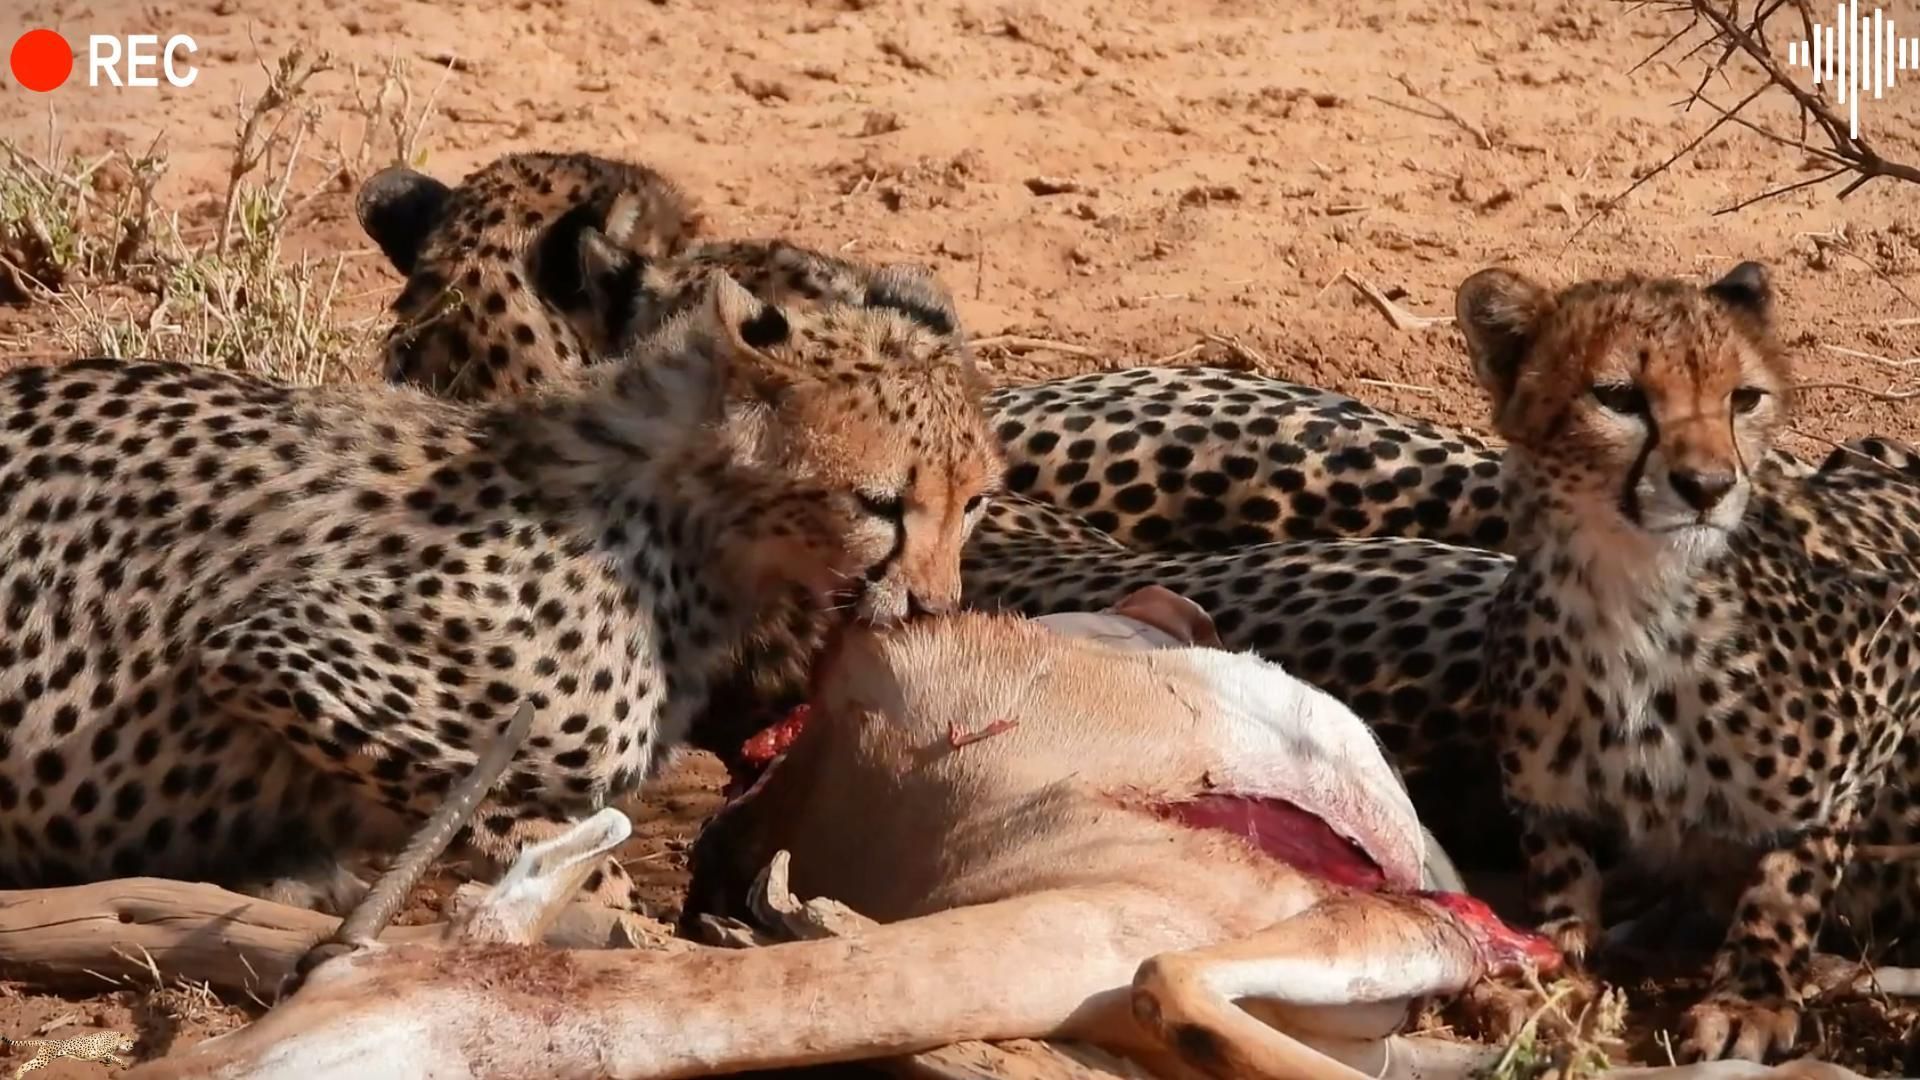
pixel 382 902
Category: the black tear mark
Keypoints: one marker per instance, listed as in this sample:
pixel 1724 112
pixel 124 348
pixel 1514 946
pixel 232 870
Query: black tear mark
pixel 1629 492
pixel 765 329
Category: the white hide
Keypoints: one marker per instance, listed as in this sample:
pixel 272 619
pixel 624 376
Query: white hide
pixel 1283 737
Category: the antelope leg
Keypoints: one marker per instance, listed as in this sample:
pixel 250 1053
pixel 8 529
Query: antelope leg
pixel 1030 966
pixel 1329 985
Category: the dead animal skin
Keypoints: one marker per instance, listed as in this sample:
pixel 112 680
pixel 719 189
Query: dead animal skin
pixel 1023 886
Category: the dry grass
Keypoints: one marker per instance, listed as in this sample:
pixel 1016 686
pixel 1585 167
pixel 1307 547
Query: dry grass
pixel 1561 1041
pixel 122 277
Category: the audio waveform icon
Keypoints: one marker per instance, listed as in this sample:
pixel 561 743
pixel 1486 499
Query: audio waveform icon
pixel 1856 54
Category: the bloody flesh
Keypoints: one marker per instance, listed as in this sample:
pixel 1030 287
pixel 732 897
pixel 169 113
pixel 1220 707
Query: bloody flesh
pixel 759 751
pixel 1284 831
pixel 1297 837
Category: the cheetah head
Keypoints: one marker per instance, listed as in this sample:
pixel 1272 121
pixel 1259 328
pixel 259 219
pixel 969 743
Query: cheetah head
pixel 1636 405
pixel 881 405
pixel 497 298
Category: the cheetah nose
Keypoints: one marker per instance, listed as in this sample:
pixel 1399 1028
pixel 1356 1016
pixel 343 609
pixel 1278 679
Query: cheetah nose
pixel 1702 490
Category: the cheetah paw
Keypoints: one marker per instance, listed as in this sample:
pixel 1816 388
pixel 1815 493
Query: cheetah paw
pixel 332 891
pixel 1573 936
pixel 1728 1026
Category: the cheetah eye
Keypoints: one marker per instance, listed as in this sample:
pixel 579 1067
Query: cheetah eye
pixel 1623 398
pixel 975 503
pixel 886 505
pixel 1747 398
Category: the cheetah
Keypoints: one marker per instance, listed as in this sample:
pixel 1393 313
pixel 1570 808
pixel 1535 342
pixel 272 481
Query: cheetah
pixel 904 442
pixel 1453 654
pixel 1302 462
pixel 497 298
pixel 98 1047
pixel 540 263
pixel 1691 649
pixel 1281 458
pixel 250 626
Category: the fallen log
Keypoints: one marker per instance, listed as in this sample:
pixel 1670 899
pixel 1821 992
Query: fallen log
pixel 88 935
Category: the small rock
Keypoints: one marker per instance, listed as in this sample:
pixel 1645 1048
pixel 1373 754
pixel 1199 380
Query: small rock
pixel 880 122
pixel 1205 194
pixel 1056 185
pixel 762 90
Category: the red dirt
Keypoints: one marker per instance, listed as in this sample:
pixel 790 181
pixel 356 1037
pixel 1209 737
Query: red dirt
pixel 1216 165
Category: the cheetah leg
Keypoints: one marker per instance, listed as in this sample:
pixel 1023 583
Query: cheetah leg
pixel 1318 996
pixel 1563 884
pixel 1753 1005
pixel 355 678
pixel 1564 887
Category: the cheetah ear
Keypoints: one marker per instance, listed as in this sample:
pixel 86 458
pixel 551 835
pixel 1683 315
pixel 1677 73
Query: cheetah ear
pixel 1745 288
pixel 745 327
pixel 1499 312
pixel 685 376
pixel 399 208
pixel 657 220
pixel 914 291
pixel 612 250
pixel 609 281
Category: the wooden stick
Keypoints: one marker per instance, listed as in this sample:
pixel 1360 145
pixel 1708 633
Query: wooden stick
pixel 88 935
pixel 1022 343
pixel 1400 317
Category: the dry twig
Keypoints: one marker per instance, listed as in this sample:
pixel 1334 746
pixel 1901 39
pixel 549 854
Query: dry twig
pixel 1400 317
pixel 1874 358
pixel 1441 112
pixel 1021 343
pixel 1856 388
pixel 285 83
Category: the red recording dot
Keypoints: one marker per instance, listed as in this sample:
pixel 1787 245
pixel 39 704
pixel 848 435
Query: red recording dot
pixel 41 60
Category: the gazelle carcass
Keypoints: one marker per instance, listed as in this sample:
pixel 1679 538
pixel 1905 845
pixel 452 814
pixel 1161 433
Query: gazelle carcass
pixel 1178 853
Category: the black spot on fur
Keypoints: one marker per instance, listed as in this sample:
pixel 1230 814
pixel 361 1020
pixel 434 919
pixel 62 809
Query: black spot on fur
pixel 766 329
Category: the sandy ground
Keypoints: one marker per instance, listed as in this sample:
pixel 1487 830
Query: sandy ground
pixel 1136 180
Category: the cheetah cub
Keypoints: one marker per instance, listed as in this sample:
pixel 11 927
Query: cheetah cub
pixel 498 296
pixel 1696 651
pixel 250 626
